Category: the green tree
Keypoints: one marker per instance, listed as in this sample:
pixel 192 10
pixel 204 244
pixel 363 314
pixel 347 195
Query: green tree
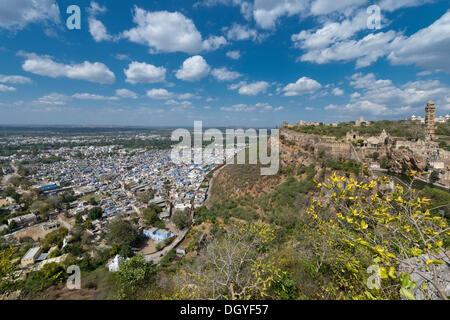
pixel 133 277
pixel 150 216
pixel 95 213
pixel 182 219
pixel 434 177
pixel 122 233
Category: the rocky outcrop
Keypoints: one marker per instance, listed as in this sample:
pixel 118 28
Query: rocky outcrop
pixel 404 159
pixel 419 272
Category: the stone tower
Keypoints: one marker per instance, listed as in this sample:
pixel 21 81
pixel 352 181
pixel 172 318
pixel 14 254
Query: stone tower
pixel 430 109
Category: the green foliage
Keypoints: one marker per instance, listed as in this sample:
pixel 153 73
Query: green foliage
pixel 349 166
pixel 434 177
pixel 54 238
pixel 402 128
pixel 95 213
pixel 151 215
pixel 37 281
pixel 359 224
pixel 146 196
pixel 167 258
pixel 182 219
pixel 133 276
pixel 122 233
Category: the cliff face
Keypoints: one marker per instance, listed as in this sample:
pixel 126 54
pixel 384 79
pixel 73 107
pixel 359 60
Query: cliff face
pixel 405 159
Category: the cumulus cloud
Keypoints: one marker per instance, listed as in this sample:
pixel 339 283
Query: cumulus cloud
pixel 303 85
pixel 165 31
pixel 53 99
pixel 381 97
pixel 45 66
pixel 4 88
pixel 159 94
pixel 392 5
pixel 428 48
pixel 238 32
pixel 234 54
pixel 96 28
pixel 193 69
pixel 338 92
pixel 90 96
pixel 223 74
pixel 321 7
pixel 336 41
pixel 127 94
pixel 17 14
pixel 246 7
pixel 214 43
pixel 187 96
pixel 331 32
pixel 267 12
pixel 250 89
pixel 141 72
pixel 259 107
pixel 14 79
pixel 365 51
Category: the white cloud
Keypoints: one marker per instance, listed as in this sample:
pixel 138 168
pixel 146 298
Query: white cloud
pixel 214 43
pixel 90 96
pixel 428 48
pixel 95 9
pixel 258 107
pixel 127 94
pixel 159 94
pixel 392 5
pixel 122 57
pixel 246 7
pixel 17 14
pixel 251 89
pixel 165 31
pixel 53 99
pixel 303 85
pixel 330 33
pixel 193 69
pixel 4 88
pixel 239 32
pixel 331 107
pixel 381 97
pixel 141 72
pixel 98 30
pixel 187 96
pixel 45 66
pixel 322 7
pixel 267 12
pixel 173 102
pixel 14 79
pixel 234 54
pixel 366 51
pixel 223 74
pixel 338 92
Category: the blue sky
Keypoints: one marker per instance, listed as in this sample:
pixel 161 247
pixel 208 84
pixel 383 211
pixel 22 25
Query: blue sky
pixel 226 62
